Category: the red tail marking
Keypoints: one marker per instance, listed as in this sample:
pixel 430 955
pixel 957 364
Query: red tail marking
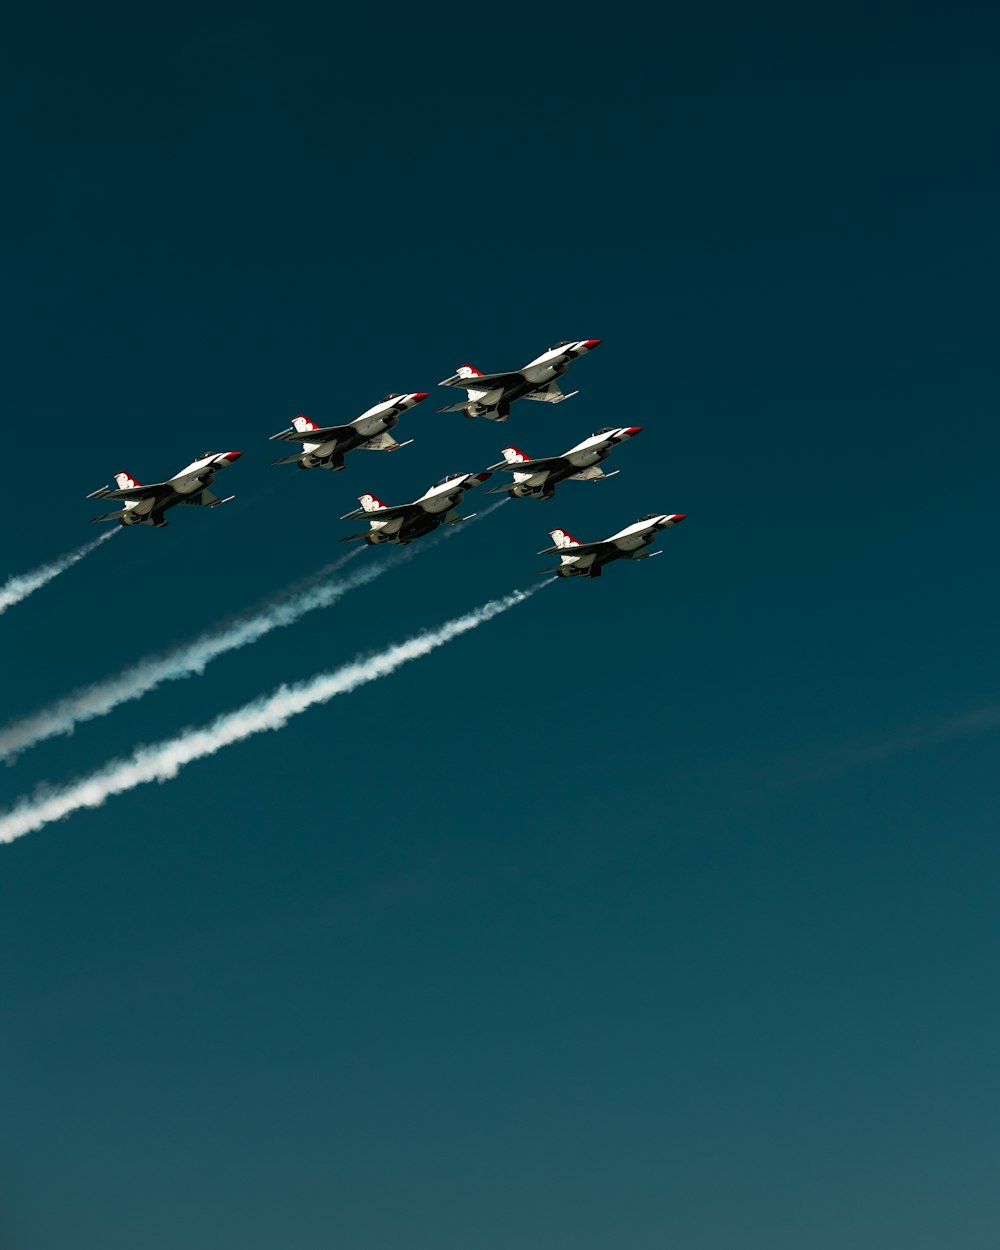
pixel 563 538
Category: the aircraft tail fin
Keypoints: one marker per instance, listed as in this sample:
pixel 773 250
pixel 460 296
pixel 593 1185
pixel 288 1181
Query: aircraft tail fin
pixel 513 455
pixel 126 481
pixel 469 372
pixel 562 539
pixel 370 503
pixel 303 424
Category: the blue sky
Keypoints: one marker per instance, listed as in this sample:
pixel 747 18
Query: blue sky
pixel 661 908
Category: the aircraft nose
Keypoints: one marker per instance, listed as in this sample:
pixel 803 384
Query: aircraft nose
pixel 590 344
pixel 482 477
pixel 632 430
pixel 417 396
pixel 679 516
pixel 233 455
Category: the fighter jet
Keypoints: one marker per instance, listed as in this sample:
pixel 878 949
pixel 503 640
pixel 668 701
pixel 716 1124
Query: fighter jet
pixel 404 522
pixel 325 446
pixel 588 559
pixel 491 394
pixel 539 478
pixel 145 505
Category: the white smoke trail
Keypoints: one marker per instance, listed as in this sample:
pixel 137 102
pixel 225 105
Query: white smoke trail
pixel 17 588
pixel 164 760
pixel 90 702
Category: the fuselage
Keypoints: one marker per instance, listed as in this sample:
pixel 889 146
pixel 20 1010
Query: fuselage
pixel 541 482
pixel 325 446
pixel 191 480
pixel 534 376
pixel 626 544
pixel 433 508
pixel 370 424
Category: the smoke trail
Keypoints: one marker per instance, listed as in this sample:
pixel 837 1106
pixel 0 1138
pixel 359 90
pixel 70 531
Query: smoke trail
pixel 165 759
pixel 17 588
pixel 90 702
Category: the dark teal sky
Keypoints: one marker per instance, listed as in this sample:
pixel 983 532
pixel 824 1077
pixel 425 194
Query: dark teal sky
pixel 661 910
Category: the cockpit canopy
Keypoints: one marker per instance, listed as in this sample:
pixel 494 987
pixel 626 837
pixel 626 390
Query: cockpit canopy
pixel 391 395
pixel 651 516
pixel 205 455
pixel 608 429
pixel 450 478
pixel 561 343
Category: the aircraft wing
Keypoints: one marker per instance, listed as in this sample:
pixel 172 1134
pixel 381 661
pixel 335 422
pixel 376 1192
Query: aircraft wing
pixel 530 466
pixel 156 490
pixel 327 434
pixel 578 549
pixel 485 381
pixel 383 514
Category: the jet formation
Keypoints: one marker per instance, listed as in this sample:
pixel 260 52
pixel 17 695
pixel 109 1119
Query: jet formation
pixel 489 395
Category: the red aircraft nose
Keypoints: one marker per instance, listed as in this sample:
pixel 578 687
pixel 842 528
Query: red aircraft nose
pixel 419 395
pixel 233 455
pixel 633 430
pixel 679 516
pixel 590 344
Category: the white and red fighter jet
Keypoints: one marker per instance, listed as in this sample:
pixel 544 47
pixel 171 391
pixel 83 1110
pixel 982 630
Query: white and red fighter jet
pixel 325 446
pixel 582 463
pixel 145 505
pixel 491 394
pixel 404 522
pixel 588 559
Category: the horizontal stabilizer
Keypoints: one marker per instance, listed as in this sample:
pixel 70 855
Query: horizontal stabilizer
pixel 108 516
pixel 288 459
